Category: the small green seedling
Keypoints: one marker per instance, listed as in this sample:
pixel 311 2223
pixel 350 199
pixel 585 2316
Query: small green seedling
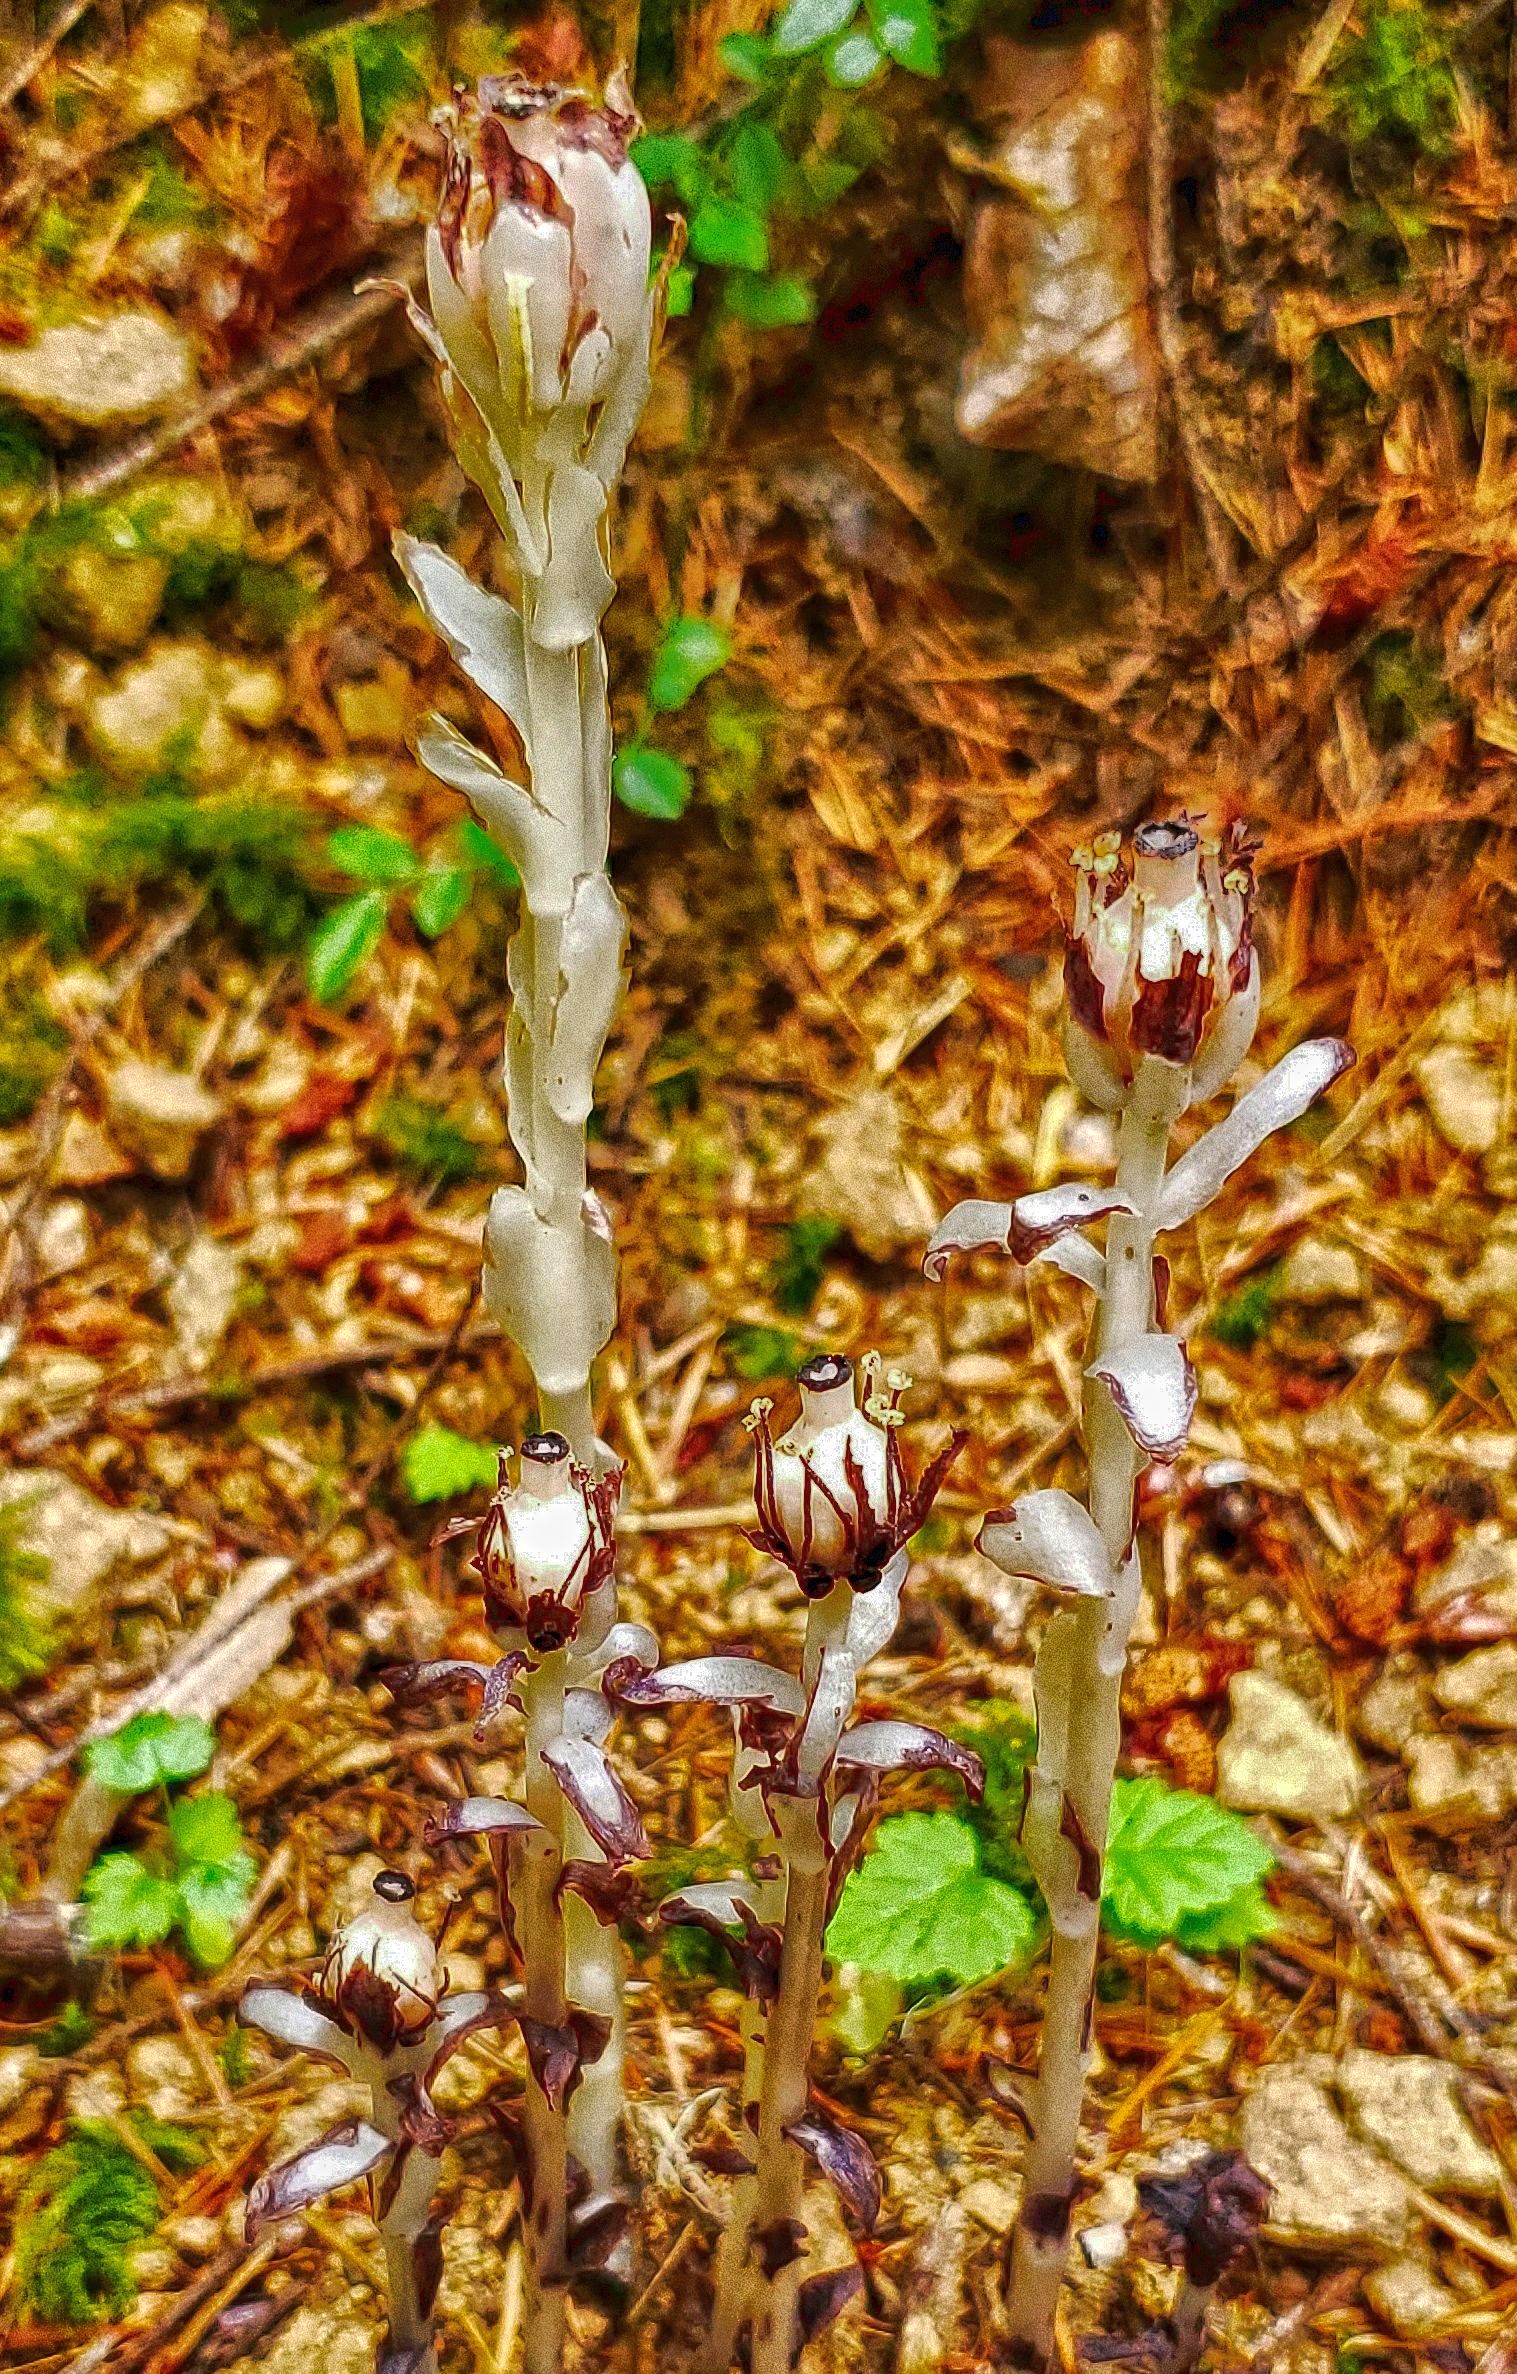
pixel 201 1882
pixel 646 779
pixel 437 890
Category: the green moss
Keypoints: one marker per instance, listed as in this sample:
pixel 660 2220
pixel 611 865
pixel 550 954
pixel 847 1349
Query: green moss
pixel 31 1048
pixel 82 2214
pixel 423 1139
pixel 1395 83
pixel 1406 692
pixel 1242 1318
pixel 23 454
pixel 802 1263
pixel 26 1645
pixel 1006 1740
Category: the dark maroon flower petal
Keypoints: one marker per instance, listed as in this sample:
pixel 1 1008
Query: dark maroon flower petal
pixel 342 2156
pixel 613 1896
pixel 779 2245
pixel 556 2055
pixel 1169 1016
pixel 822 2298
pixel 722 1911
pixel 596 2227
pixel 1087 1000
pixel 846 2161
pixel 420 1685
pixel 491 2011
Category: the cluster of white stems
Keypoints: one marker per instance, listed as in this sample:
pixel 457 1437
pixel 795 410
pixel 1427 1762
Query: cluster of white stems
pixel 544 319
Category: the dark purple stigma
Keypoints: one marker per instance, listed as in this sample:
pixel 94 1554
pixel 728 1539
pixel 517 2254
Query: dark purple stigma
pixel 1167 838
pixel 824 1370
pixel 394 1887
pixel 547 1448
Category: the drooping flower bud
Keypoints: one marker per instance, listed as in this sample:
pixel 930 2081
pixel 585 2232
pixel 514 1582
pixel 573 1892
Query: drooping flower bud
pixel 833 1495
pixel 537 266
pixel 1160 960
pixel 546 1543
pixel 381 1979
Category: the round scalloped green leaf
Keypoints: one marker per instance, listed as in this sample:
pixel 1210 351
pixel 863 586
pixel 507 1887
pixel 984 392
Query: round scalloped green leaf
pixel 919 1907
pixel 907 30
pixel 1173 1856
pixel 651 783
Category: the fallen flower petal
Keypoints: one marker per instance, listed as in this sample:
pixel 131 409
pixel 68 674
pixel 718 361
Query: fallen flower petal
pixel 292 2020
pixel 594 1788
pixel 910 1747
pixel 478 1817
pixel 717 1681
pixel 824 2297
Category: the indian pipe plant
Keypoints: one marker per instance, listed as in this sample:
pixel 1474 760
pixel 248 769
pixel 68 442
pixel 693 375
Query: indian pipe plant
pixel 544 319
pixel 1161 983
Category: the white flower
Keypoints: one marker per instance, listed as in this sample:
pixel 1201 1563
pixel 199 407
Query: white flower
pixel 546 1543
pixel 1160 960
pixel 381 1978
pixel 833 1496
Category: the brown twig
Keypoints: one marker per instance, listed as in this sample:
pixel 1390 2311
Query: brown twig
pixel 311 335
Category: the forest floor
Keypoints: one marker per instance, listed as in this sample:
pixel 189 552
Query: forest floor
pixel 244 1222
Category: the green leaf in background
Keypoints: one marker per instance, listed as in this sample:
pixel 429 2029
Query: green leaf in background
pixel 679 292
pixel 757 167
pixel 126 1904
pixel 370 855
pixel 215 1875
pixel 851 61
pixel 1174 1856
pixel 689 650
pixel 437 1463
pixel 760 1352
pixel 343 942
pixel 908 31
pixel 149 1750
pixel 775 301
pixel 919 1907
pixel 651 783
pixel 440 898
pixel 1006 1741
pixel 1232 1926
pixel 663 158
pixel 481 850
pixel 723 232
pixel 806 24
pixel 747 55
pixel 802 1261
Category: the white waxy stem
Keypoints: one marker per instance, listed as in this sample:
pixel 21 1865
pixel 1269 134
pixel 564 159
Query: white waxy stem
pixel 1049 1538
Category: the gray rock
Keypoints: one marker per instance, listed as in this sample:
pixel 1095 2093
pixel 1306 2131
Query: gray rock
pixel 1396 1706
pixel 333 2338
pixel 1482 1572
pixel 1408 2297
pixel 1329 2192
pixel 863 1179
pixel 1408 2105
pixel 1277 1756
pixel 202 1297
pixel 1482 1688
pixel 1459 1785
pixel 82 1540
pixel 1463 1095
pixel 100 374
pixel 161 1114
pixel 1323 1269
